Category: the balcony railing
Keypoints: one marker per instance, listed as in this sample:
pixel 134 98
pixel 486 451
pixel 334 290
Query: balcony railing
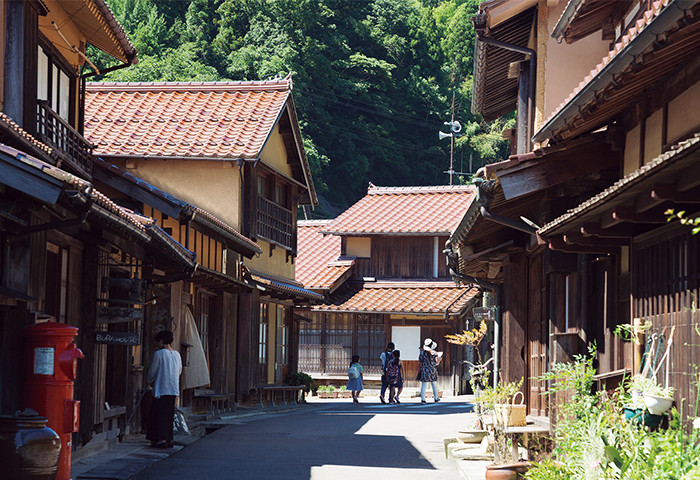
pixel 71 150
pixel 275 223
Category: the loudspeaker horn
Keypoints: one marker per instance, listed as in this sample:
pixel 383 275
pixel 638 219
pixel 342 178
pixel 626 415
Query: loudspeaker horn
pixel 442 135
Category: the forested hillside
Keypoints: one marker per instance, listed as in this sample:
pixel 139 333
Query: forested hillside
pixel 373 79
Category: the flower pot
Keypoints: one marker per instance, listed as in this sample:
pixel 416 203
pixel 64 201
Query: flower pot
pixel 507 471
pixel 472 436
pixel 327 394
pixel 638 415
pixel 345 394
pixel 657 405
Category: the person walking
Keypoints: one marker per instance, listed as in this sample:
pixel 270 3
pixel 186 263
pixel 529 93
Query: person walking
pixel 355 378
pixel 428 361
pixel 385 357
pixel 394 375
pixel 164 376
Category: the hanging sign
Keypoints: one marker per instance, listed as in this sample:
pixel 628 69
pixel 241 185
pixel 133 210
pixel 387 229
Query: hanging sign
pixel 117 338
pixel 484 313
pixel 118 314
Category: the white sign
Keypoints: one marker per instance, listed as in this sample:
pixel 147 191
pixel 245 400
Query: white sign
pixel 43 361
pixel 407 339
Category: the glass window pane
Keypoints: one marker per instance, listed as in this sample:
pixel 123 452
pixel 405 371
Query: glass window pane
pixel 42 75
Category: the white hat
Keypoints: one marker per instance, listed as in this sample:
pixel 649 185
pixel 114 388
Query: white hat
pixel 428 344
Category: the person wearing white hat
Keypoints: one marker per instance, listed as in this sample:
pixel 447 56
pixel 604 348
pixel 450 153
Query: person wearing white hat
pixel 428 374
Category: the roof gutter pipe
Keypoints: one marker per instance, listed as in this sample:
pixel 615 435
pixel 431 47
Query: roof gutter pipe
pixel 524 118
pixel 495 289
pixel 481 198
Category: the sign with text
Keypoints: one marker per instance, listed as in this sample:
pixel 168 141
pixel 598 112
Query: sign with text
pixel 117 338
pixel 118 314
pixel 483 313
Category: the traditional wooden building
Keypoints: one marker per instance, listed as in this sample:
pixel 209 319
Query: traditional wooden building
pixel 69 253
pixel 381 269
pixel 607 101
pixel 234 150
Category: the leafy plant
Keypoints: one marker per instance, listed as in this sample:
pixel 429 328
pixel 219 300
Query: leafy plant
pixel 501 393
pixel 301 378
pixel 594 441
pixel 326 389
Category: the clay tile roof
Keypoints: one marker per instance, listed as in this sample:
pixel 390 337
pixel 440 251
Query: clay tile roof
pixel 318 262
pixel 405 211
pixel 222 120
pixel 429 297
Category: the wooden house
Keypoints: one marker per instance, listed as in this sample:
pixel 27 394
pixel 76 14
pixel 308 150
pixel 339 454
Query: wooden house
pixel 607 97
pixel 69 253
pixel 381 269
pixel 234 150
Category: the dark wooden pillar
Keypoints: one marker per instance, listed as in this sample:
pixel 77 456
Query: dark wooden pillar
pixel 514 334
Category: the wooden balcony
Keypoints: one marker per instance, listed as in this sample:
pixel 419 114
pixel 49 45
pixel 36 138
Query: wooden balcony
pixel 70 149
pixel 276 224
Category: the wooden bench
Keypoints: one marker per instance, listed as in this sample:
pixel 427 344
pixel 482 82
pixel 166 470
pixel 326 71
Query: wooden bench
pixel 264 390
pixel 212 402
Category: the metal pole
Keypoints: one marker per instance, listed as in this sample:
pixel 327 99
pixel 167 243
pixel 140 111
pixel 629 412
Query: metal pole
pixel 452 138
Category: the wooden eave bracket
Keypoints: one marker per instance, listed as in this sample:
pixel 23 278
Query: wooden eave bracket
pixel 558 244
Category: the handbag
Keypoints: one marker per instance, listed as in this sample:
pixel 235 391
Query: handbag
pixel 418 376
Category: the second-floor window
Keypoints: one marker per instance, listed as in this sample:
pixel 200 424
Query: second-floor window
pixel 53 83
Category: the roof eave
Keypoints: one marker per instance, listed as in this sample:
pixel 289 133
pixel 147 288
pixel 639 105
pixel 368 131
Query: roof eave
pixel 674 12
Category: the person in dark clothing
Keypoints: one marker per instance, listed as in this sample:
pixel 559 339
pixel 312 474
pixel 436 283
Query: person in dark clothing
pixel 385 357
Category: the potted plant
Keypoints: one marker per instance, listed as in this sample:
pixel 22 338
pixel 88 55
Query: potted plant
pixel 343 392
pixel 658 400
pixel 327 391
pixel 499 401
pixel 645 392
pixel 301 378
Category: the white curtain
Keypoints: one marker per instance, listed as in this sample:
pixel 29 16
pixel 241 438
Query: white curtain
pixel 196 372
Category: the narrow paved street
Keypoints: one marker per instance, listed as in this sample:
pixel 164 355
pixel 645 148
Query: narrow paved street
pixel 332 440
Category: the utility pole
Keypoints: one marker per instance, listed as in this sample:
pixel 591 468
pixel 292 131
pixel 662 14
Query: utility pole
pixel 455 128
pixel 452 140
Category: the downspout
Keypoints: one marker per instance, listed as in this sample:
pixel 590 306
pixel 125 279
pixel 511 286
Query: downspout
pixel 523 137
pixel 495 289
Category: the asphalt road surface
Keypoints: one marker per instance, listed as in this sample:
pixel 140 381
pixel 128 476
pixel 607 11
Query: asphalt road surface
pixel 332 440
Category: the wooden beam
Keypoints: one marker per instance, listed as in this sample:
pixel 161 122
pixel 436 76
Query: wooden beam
pixel 623 213
pixel 619 231
pixel 576 238
pixel 558 244
pixel 666 192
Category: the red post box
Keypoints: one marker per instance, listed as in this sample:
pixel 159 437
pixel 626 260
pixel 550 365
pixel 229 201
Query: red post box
pixel 48 386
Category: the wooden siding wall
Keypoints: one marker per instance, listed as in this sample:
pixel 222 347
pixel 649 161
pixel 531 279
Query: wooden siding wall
pixel 402 257
pixel 665 290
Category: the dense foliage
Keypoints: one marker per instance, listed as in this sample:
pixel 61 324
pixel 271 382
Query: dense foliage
pixel 374 80
pixel 595 441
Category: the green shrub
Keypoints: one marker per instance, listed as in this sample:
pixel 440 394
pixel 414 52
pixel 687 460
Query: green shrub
pixel 301 378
